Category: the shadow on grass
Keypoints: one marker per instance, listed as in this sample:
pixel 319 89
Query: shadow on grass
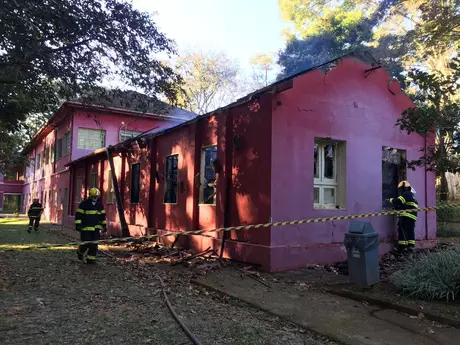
pixel 445 229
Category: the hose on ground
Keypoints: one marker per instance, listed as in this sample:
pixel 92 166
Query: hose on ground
pixel 175 316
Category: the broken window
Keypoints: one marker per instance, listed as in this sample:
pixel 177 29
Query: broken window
pixel 135 182
pixel 93 180
pixel 171 179
pixel 329 174
pixel 208 175
pixel 393 171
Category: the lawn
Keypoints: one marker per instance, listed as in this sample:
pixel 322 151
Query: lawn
pixel 48 297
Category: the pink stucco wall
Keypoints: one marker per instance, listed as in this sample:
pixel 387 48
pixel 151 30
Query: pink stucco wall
pixel 112 124
pixel 342 105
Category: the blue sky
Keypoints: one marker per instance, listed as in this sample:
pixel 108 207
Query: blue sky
pixel 240 28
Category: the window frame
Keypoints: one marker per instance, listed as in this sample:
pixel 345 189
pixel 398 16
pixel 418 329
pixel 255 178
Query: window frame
pixel 166 183
pixel 138 164
pixel 132 134
pixel 78 188
pixel 203 176
pixel 91 175
pixel 322 183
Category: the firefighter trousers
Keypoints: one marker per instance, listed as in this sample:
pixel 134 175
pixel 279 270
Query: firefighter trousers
pixel 406 233
pixel 91 248
pixel 34 222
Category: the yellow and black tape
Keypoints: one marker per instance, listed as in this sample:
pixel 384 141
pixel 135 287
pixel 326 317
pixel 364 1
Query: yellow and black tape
pixel 234 228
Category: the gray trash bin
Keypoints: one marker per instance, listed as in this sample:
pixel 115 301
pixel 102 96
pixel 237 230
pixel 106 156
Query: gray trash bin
pixel 362 244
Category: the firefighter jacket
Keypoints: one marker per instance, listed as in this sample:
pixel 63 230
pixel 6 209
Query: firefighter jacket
pixel 35 210
pixel 406 201
pixel 89 216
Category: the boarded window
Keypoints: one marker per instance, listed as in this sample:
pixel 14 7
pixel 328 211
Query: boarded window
pixel 171 177
pixel 329 174
pixel 110 189
pixel 52 151
pixel 135 182
pixel 127 134
pixel 38 161
pixel 208 175
pixel 47 155
pixel 91 139
pixel 66 143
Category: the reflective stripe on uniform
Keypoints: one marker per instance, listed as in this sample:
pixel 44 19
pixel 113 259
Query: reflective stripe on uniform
pixel 91 212
pixel 90 257
pixel 402 199
pixel 88 228
pixel 104 222
pixel 102 212
pixel 79 210
pixel 408 215
pixel 411 242
pixel 413 204
pixel 402 243
pixel 78 221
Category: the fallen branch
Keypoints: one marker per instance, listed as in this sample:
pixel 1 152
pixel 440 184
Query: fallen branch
pixel 191 257
pixel 175 316
pixel 252 275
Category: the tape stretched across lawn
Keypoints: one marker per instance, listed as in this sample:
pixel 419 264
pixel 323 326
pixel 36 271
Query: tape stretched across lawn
pixel 232 228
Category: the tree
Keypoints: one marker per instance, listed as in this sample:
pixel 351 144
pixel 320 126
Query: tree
pixel 210 80
pixel 436 96
pixel 58 49
pixel 262 65
pixel 334 31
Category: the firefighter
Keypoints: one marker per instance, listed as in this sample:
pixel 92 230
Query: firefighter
pixel 407 219
pixel 34 214
pixel 90 221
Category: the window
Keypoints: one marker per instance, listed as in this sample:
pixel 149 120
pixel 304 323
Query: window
pixel 208 175
pixel 171 177
pixel 47 155
pixel 44 198
pixel 78 188
pixel 393 171
pixel 59 149
pixel 66 144
pixel 135 182
pixel 110 189
pixel 93 180
pixel 91 139
pixel 52 150
pixel 329 174
pixel 127 134
pixel 38 161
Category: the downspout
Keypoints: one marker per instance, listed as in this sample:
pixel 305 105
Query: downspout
pixel 121 213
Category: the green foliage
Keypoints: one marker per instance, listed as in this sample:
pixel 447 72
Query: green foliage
pixel 58 49
pixel 433 276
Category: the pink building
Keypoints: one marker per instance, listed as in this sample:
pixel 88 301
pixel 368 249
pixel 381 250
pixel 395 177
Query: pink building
pixel 322 143
pixel 75 130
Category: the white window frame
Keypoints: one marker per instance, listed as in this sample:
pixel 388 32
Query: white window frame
pixel 202 176
pixel 322 183
pixel 91 139
pixel 126 134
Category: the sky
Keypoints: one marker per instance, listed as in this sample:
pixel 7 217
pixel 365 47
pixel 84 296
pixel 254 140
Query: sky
pixel 239 28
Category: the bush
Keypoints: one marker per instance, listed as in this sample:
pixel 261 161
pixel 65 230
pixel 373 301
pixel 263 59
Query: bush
pixel 432 276
pixel 445 215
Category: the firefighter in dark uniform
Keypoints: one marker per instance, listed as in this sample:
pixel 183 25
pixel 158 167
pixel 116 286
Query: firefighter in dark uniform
pixel 34 214
pixel 406 224
pixel 90 221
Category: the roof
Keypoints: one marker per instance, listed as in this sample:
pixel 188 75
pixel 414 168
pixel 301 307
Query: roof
pixel 129 103
pixel 278 86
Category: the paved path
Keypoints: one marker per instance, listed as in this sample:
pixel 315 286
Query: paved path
pixel 341 319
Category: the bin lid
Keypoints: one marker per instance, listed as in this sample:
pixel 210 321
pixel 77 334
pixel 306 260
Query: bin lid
pixel 361 227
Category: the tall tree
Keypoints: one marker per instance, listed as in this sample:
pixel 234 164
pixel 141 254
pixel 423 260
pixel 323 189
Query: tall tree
pixel 210 80
pixel 437 115
pixel 56 49
pixel 262 66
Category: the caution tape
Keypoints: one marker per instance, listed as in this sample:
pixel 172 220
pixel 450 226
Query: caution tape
pixel 232 228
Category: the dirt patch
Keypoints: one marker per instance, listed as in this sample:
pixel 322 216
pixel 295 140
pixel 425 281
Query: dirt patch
pixel 48 297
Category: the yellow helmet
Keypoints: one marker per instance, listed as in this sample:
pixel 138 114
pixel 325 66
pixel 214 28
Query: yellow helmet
pixel 94 193
pixel 404 184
